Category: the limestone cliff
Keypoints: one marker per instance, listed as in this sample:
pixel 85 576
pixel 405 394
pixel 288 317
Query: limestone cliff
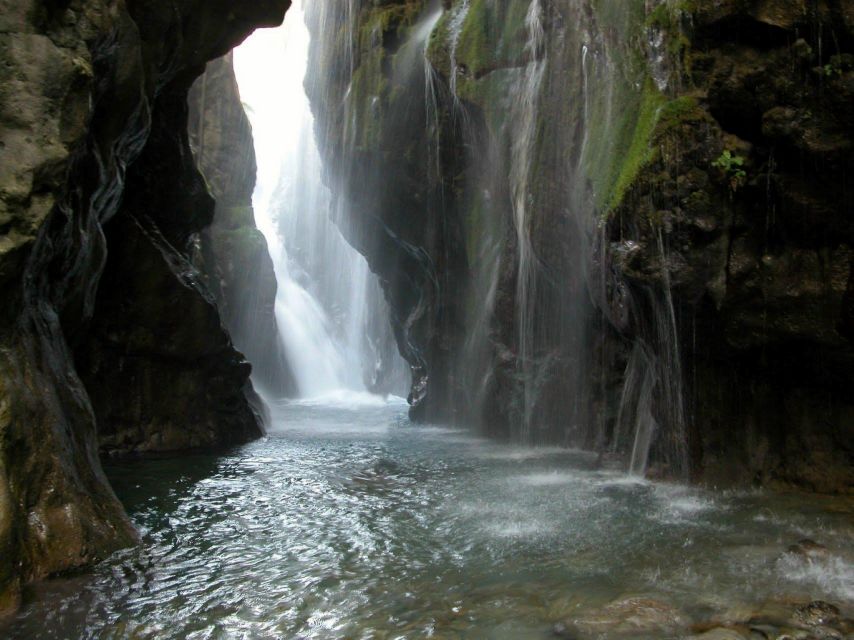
pixel 743 215
pixel 624 226
pixel 232 252
pixel 371 130
pixel 93 124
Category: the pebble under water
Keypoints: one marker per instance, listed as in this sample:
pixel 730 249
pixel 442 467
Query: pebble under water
pixel 349 522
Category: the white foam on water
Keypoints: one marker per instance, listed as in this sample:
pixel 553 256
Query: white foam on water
pixel 621 480
pixel 517 529
pixel 548 479
pixel 832 574
pixel 344 399
pixel 521 453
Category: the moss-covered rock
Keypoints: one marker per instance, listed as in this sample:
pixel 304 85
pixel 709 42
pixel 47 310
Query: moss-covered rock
pixel 671 173
pixel 739 213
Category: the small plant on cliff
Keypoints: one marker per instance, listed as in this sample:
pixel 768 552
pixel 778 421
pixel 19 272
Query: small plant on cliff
pixel 830 70
pixel 732 166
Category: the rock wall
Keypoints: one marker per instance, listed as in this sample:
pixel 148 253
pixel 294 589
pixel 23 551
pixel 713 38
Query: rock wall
pixel 371 131
pixel 624 226
pixel 232 252
pixel 511 119
pixel 743 213
pixel 93 123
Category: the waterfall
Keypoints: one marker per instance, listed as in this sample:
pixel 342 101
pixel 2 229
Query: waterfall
pixel 489 145
pixel 651 410
pixel 524 122
pixel 332 317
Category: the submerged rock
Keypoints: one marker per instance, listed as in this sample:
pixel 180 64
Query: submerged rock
pixel 633 614
pixel 772 620
pixel 809 549
pixel 720 633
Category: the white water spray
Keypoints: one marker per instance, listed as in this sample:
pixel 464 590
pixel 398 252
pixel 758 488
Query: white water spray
pixel 326 294
pixel 524 121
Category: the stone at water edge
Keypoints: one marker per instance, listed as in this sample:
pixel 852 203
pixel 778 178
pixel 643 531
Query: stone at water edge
pixel 631 614
pixel 719 634
pixel 817 613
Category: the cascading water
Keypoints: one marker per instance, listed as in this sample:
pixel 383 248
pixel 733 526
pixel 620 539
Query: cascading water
pixel 332 316
pixel 524 122
pixel 454 29
pixel 525 117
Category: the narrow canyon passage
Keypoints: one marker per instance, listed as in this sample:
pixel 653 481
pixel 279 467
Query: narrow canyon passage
pixel 349 522
pixel 454 319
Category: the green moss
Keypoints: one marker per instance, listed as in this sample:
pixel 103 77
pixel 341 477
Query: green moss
pixel 639 150
pixel 661 16
pixel 684 108
pixel 475 47
pixel 492 36
pixel 622 20
pixel 438 52
pixel 627 124
pixel 384 55
pixel 369 93
pixel 386 25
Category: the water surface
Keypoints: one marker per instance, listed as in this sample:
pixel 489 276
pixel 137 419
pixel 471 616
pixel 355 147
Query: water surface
pixel 349 522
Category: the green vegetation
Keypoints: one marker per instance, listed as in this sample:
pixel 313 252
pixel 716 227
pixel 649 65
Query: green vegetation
pixel 680 110
pixel 732 166
pixel 640 151
pixel 488 24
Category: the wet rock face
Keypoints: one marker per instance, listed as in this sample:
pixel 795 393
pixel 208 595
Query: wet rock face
pixel 84 85
pixel 378 153
pixel 778 619
pixel 161 369
pixel 745 211
pixel 714 139
pixel 232 252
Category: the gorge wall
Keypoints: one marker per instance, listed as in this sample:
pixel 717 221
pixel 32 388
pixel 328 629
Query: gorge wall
pixel 106 330
pixel 746 191
pixel 622 226
pixel 232 252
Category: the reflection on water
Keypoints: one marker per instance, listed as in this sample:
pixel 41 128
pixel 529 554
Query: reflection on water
pixel 348 522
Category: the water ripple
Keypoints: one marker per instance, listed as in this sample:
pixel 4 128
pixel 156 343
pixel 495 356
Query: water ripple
pixel 350 523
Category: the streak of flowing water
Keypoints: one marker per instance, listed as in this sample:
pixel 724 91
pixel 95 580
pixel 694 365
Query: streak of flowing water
pixel 348 522
pixel 431 107
pixel 585 72
pixel 653 393
pixel 454 31
pixel 524 122
pixel 331 313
